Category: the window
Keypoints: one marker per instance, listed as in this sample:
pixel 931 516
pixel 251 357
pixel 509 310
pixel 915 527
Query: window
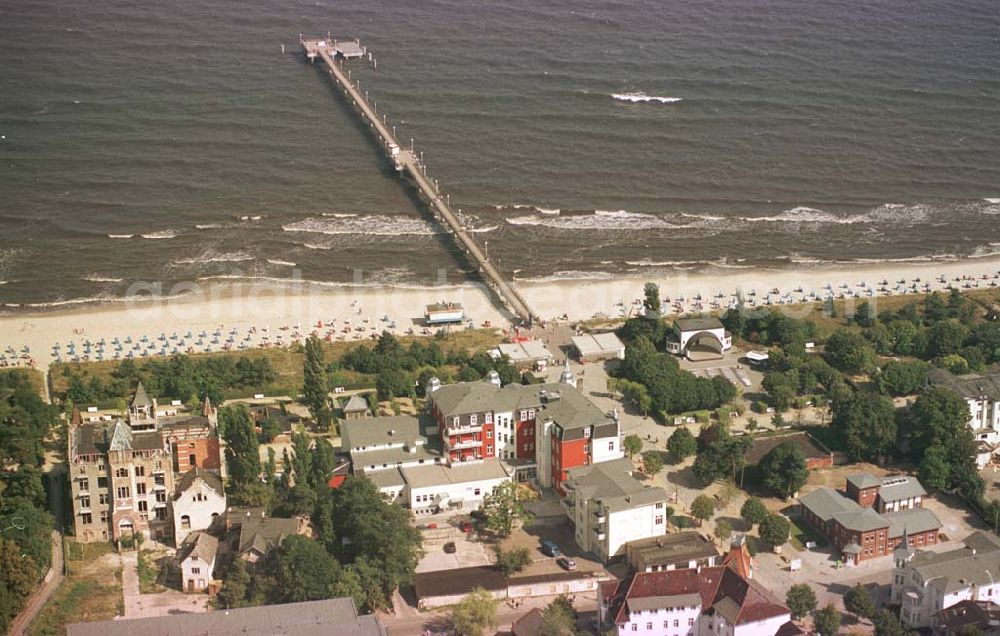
pixel 455 420
pixel 161 497
pixel 611 445
pixel 489 449
pixel 84 484
pixel 677 623
pixel 472 419
pixel 488 418
pixel 84 502
pixel 123 492
pixel 185 522
pixel 140 488
pixel 102 498
pixel 635 627
pixel 477 491
pixel 86 518
pixel 195 570
pixel 161 513
pixel 104 516
pixel 121 472
pixel 140 471
pixel 192 460
pixel 690 622
pixel 531 414
pixel 102 482
pixel 659 520
pixel 659 506
pixel 489 434
pixel 143 506
pixel 649 626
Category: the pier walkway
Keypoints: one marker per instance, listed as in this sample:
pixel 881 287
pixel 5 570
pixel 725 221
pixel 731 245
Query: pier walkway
pixel 407 162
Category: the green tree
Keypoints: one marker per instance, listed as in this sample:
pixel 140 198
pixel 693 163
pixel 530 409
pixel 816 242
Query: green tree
pixel 887 624
pixel 938 427
pixel 801 599
pixel 945 338
pixel 242 446
pixel 723 530
pixel 512 561
pixel 827 620
pixel 234 586
pixel 935 468
pixel 632 445
pixel 392 383
pixel 315 389
pixel 783 469
pixel 867 423
pixel 681 444
pixel 702 508
pixel 505 507
pixel 859 602
pixel 17 581
pixel 774 530
pixel 559 618
pixel 652 463
pixel 651 300
pixel 753 511
pixel 303 571
pixel 475 614
pixel 850 352
pixel 900 377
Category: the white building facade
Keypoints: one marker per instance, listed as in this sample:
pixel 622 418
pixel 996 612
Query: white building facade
pixel 199 503
pixel 982 395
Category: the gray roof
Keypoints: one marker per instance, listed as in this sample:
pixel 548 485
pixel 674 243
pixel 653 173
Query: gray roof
pixel 969 386
pixel 611 484
pixel 825 503
pixel 332 617
pixel 978 563
pixel 643 603
pixel 524 351
pixel 378 431
pixel 392 478
pixel 264 534
pixel 562 403
pixel 900 488
pixel 211 480
pixel 912 521
pixel 863 520
pixel 698 324
pixel 863 480
pixel 200 544
pixel 374 460
pixel 674 548
pixel 435 475
pixel 140 398
pixel 355 404
pixel 597 343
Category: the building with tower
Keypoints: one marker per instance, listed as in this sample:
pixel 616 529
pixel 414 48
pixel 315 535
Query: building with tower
pixel 123 472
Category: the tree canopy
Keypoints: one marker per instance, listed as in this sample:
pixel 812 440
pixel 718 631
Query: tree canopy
pixel 801 599
pixel 783 469
pixel 476 614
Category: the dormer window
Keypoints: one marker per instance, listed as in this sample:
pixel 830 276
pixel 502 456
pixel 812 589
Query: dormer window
pixel 472 420
pixel 488 418
pixel 455 420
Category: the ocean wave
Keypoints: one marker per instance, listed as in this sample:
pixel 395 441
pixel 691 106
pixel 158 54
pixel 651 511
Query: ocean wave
pixel 640 96
pixel 986 251
pixel 365 225
pixel 248 217
pixel 340 215
pixel 274 261
pixel 162 234
pixel 803 214
pixel 102 279
pixel 991 199
pixel 316 246
pixel 599 220
pixel 212 256
pixel 208 226
pixel 120 236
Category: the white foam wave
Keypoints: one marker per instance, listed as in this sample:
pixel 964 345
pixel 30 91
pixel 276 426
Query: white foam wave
pixel 986 251
pixel 120 236
pixel 248 217
pixel 102 279
pixel 316 246
pixel 208 226
pixel 215 257
pixel 340 215
pixel 365 225
pixel 599 220
pixel 640 96
pixel 275 261
pixel 162 234
pixel 991 199
pixel 549 211
pixel 809 215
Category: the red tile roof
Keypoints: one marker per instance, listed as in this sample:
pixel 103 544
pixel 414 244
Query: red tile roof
pixel 713 584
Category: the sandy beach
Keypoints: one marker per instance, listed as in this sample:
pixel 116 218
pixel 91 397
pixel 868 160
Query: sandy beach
pixel 233 317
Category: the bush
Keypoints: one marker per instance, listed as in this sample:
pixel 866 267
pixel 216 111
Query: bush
pixel 513 561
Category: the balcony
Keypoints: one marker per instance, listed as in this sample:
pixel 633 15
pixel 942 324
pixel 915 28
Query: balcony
pixel 159 486
pixel 462 429
pixel 599 534
pixel 600 516
pixel 471 443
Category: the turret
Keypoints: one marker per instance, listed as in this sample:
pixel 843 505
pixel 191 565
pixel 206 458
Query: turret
pixel 493 377
pixel 433 385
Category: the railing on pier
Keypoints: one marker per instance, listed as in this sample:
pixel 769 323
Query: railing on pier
pixel 407 161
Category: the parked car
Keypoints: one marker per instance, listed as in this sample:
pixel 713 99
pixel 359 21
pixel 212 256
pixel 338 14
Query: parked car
pixel 549 548
pixel 432 526
pixel 466 526
pixel 566 563
pixel 449 548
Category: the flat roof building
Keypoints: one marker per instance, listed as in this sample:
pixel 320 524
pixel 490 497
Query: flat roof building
pixel 675 551
pixel 594 347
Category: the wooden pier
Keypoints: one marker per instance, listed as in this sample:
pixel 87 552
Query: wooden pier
pixel 332 53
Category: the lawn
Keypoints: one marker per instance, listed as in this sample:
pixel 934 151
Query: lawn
pixel 288 361
pixel 92 591
pixel 149 573
pixel 802 534
pixel 828 437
